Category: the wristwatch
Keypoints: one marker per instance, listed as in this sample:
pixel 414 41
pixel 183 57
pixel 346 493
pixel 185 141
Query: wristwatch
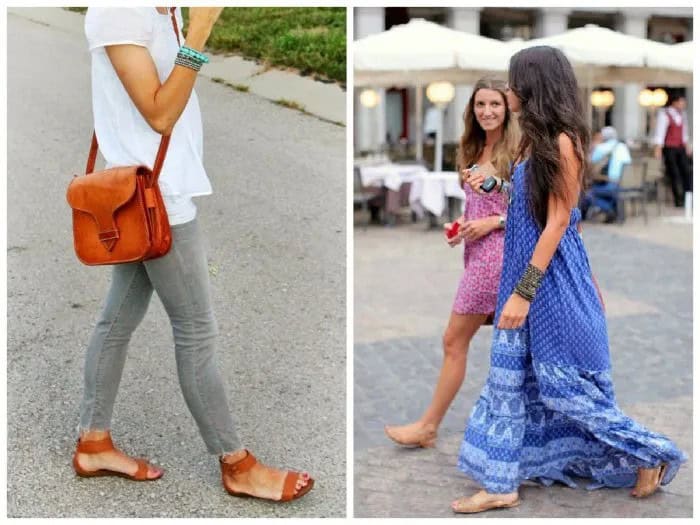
pixel 501 221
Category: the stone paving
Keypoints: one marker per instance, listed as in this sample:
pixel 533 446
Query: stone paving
pixel 405 279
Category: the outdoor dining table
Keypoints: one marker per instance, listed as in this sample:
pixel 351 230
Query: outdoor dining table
pixel 390 175
pixel 430 190
pixel 394 178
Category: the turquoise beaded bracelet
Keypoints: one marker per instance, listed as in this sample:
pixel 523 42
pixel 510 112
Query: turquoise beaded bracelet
pixel 188 51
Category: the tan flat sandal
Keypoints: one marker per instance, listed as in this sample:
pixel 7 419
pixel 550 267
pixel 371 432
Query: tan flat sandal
pixel 648 481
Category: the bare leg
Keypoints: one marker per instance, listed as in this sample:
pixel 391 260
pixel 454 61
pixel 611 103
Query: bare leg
pixel 458 335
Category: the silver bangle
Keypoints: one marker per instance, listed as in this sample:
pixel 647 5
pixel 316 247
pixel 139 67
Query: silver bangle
pixel 189 63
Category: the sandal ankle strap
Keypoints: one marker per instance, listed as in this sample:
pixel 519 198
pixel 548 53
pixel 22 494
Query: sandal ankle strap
pixel 240 466
pixel 95 446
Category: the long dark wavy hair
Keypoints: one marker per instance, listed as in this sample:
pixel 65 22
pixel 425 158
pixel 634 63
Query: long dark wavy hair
pixel 473 139
pixel 543 80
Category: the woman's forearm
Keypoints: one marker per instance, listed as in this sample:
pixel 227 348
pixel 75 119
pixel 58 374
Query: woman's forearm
pixel 547 245
pixel 160 104
pixel 172 96
pixel 170 99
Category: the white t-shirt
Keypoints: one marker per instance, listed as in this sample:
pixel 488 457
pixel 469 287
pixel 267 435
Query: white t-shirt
pixel 124 136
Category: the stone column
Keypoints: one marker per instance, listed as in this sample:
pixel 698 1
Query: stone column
pixel 464 19
pixel 628 117
pixel 370 123
pixel 689 92
pixel 551 21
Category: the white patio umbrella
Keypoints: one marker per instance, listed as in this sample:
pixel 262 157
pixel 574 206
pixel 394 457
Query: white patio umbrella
pixel 603 56
pixel 676 56
pixel 421 52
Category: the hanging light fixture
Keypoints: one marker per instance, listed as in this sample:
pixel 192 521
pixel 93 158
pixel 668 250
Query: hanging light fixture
pixel 369 98
pixel 659 97
pixel 440 94
pixel 646 98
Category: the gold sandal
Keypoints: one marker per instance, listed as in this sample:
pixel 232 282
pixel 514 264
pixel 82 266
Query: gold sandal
pixel 649 480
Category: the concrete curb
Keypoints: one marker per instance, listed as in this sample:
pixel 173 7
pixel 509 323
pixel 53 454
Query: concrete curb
pixel 323 100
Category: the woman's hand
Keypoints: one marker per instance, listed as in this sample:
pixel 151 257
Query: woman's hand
pixel 457 239
pixel 514 313
pixel 474 178
pixel 202 20
pixel 476 229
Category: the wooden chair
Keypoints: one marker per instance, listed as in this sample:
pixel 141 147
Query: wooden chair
pixel 360 196
pixel 657 183
pixel 632 188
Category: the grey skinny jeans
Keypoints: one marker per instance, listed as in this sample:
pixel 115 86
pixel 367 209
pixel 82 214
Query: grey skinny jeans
pixel 181 279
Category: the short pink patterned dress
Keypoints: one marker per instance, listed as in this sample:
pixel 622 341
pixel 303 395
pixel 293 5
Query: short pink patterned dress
pixel 483 258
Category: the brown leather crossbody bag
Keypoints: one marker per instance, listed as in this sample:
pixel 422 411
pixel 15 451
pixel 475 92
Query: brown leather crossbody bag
pixel 118 213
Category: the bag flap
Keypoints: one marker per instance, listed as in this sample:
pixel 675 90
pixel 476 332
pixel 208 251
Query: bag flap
pixel 101 194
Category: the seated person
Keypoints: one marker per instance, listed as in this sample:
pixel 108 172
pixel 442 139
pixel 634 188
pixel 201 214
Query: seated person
pixel 609 158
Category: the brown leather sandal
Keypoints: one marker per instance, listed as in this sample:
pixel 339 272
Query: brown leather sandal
pixel 648 481
pixel 104 445
pixel 247 463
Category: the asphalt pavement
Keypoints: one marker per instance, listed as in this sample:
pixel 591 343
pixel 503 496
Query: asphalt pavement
pixel 276 236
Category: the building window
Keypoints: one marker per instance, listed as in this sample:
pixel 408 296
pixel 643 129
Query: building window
pixel 506 24
pixel 670 30
pixel 583 18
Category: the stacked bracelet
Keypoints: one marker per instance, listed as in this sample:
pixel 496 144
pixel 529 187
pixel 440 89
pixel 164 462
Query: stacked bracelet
pixel 188 62
pixel 529 283
pixel 190 58
pixel 188 51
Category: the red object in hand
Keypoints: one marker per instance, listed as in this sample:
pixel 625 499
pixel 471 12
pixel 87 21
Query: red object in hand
pixel 453 230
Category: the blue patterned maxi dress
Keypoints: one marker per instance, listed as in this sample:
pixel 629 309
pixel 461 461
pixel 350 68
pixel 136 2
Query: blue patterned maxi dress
pixel 548 409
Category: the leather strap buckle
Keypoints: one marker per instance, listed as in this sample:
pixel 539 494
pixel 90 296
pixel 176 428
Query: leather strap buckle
pixel 109 238
pixel 109 235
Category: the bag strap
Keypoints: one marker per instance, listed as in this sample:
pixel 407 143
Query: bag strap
pixel 164 141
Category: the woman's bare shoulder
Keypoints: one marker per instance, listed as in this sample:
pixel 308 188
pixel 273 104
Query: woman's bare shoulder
pixel 566 145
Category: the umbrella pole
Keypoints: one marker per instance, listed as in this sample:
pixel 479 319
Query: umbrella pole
pixel 587 91
pixel 419 122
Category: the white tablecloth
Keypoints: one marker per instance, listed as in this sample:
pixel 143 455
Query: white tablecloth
pixel 391 176
pixel 429 190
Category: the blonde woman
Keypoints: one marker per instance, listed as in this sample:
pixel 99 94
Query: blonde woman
pixel 143 76
pixel 490 136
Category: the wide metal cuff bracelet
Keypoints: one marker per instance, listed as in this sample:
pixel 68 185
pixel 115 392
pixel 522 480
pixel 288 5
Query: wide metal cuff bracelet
pixel 529 282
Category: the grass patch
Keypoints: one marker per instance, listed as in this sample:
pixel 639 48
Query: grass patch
pixel 238 87
pixel 310 39
pixel 290 104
